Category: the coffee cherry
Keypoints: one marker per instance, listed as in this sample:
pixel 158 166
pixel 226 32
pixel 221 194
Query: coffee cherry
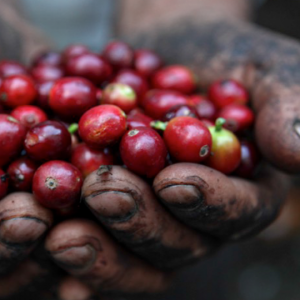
pixel 146 62
pixel 71 97
pixel 187 139
pixel 180 111
pixel 57 184
pixel 48 141
pixel 12 135
pixel 43 94
pixel 249 160
pixel 177 78
pixel 88 160
pixel 102 126
pixel 21 173
pixel 29 115
pixel 73 51
pixel 137 82
pixel 238 117
pixel 120 95
pixel 43 73
pixel 48 58
pixel 9 68
pixel 143 151
pixel 136 118
pixel 226 149
pixel 206 110
pixel 119 54
pixel 225 92
pixel 89 66
pixel 17 90
pixel 3 184
pixel 156 103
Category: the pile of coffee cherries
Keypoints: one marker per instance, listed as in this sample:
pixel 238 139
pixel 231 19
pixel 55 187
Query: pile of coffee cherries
pixel 74 112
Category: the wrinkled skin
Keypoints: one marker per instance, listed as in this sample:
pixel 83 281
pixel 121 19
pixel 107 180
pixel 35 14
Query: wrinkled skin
pixel 191 209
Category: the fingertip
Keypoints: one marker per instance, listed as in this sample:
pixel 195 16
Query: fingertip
pixel 73 289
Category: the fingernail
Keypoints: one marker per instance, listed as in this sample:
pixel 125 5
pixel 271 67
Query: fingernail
pixel 22 230
pixel 182 196
pixel 77 258
pixel 113 206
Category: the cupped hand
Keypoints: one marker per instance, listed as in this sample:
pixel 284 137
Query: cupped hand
pixel 143 233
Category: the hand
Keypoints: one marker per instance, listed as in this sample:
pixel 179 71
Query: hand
pixel 215 207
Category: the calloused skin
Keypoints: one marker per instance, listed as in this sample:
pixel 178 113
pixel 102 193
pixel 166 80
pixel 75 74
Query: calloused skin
pixel 190 210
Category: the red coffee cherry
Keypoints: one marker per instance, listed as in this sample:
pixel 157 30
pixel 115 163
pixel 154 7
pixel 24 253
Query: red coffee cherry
pixel 102 126
pixel 143 151
pixel 57 184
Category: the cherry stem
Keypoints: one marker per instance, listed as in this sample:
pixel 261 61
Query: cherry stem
pixel 73 128
pixel 219 124
pixel 159 125
pixel 4 177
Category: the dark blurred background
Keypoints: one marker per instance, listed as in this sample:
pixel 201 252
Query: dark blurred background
pixel 264 268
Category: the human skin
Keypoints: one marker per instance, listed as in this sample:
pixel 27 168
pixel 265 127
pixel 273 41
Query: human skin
pixel 215 208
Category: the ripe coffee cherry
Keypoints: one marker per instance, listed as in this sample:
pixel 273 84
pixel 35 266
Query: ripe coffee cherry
pixel 43 94
pixel 137 82
pixel 225 92
pixel 143 151
pixel 43 73
pixel 3 184
pixel 48 141
pixel 187 139
pixel 156 103
pixel 146 62
pixel 71 97
pixel 21 173
pixel 74 50
pixel 121 95
pixel 29 115
pixel 226 149
pixel 17 90
pixel 102 126
pixel 48 58
pixel 136 118
pixel 206 110
pixel 57 184
pixel 249 160
pixel 238 117
pixel 89 66
pixel 177 78
pixel 12 135
pixel 88 160
pixel 9 68
pixel 180 111
pixel 119 54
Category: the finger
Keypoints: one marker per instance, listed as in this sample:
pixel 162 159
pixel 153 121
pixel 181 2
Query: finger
pixel 267 64
pixel 127 206
pixel 84 250
pixel 73 289
pixel 23 221
pixel 226 207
